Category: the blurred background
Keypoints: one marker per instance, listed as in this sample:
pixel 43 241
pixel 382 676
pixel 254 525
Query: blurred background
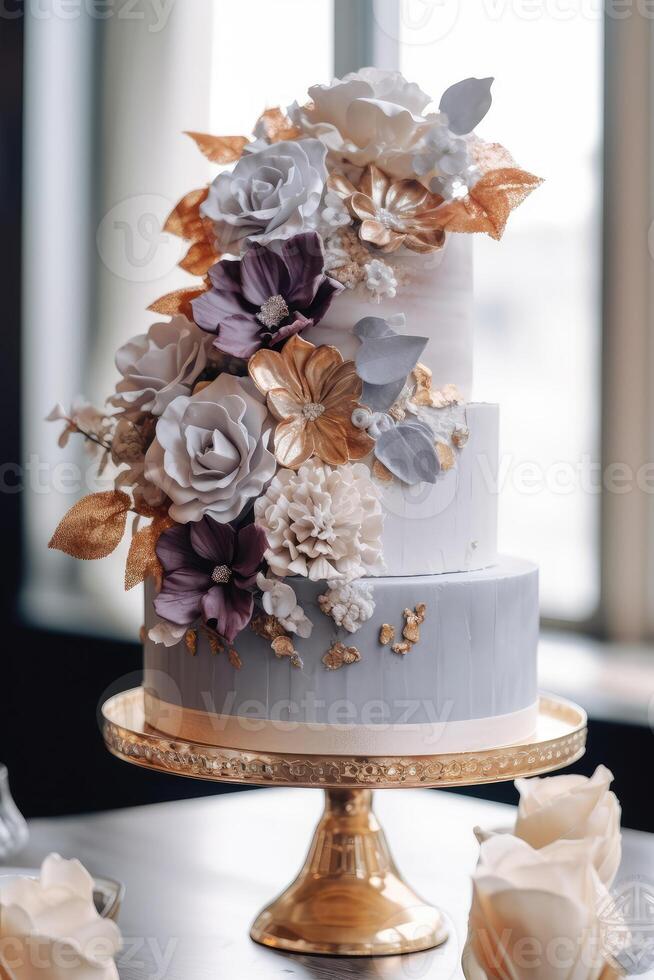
pixel 94 98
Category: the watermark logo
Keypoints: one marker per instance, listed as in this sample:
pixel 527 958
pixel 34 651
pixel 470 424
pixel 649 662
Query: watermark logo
pixel 416 22
pixel 131 241
pixel 627 926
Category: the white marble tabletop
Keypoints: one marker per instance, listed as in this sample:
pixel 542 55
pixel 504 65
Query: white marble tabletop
pixel 197 872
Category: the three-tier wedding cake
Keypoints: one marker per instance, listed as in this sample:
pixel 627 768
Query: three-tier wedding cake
pixel 315 494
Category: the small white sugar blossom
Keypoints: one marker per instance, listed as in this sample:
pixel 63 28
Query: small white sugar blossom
pixel 380 280
pixel 334 213
pixel 350 605
pixel 279 600
pixel 168 634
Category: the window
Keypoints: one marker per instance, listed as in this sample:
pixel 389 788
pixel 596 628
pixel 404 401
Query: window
pixel 537 294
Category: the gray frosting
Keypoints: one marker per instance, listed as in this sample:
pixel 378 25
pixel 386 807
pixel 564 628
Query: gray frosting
pixel 476 658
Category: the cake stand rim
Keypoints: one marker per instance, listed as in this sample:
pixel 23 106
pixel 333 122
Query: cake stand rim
pixel 135 743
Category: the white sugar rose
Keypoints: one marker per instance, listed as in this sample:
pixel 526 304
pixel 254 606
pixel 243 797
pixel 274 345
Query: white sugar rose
pixel 350 604
pixel 210 454
pixel 272 192
pixel 573 808
pixel 535 915
pixel 322 522
pixel 279 600
pixel 377 116
pixel 160 365
pixel 49 927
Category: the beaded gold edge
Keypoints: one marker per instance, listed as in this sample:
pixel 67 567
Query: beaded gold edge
pixel 154 751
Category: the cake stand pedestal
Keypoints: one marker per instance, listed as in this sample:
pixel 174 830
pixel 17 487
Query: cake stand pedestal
pixel 349 898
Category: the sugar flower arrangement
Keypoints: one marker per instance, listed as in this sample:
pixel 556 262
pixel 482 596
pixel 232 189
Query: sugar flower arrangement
pixel 246 454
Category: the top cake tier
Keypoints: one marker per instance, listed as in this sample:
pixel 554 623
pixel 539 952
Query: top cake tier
pixel 436 301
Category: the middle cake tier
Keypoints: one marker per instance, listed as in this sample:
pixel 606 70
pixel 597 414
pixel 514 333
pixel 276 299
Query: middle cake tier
pixel 451 525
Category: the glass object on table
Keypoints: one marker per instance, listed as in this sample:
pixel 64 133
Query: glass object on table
pixel 13 829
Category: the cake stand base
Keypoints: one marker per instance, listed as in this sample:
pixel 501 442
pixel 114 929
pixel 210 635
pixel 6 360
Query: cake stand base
pixel 349 898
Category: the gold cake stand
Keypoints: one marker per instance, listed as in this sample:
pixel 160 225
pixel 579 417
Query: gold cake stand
pixel 349 898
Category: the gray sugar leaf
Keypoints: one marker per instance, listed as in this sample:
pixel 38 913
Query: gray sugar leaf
pixel 379 398
pixel 409 454
pixel 388 359
pixel 373 328
pixel 466 103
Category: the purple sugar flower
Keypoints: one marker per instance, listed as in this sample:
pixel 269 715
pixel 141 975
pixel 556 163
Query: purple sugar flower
pixel 209 571
pixel 267 296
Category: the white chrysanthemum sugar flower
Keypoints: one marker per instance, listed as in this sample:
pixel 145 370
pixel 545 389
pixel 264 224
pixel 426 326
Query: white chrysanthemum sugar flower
pixel 322 522
pixel 380 280
pixel 158 366
pixel 279 600
pixel 350 604
pixel 166 633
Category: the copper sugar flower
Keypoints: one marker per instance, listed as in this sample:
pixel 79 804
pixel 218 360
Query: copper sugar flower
pixel 392 212
pixel 312 392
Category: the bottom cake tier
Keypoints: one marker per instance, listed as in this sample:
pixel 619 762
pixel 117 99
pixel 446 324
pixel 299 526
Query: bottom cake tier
pixel 467 684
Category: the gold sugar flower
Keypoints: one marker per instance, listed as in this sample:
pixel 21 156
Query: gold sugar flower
pixel 312 392
pixel 392 212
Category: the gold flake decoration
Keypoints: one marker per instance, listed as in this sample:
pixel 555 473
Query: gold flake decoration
pixel 386 634
pixel 234 658
pixel 339 656
pixel 460 436
pixel 216 644
pixel 283 647
pixel 445 455
pixel 413 620
pixel 434 398
pixel 267 627
pixel 191 641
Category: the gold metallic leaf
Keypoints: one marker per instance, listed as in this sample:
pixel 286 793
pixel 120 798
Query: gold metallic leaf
pixel 234 658
pixel 177 302
pixel 381 473
pixel 142 561
pixel 199 258
pixel 275 126
pixel 191 641
pixel 184 220
pixel 402 647
pixel 94 526
pixel 220 149
pixel 489 202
